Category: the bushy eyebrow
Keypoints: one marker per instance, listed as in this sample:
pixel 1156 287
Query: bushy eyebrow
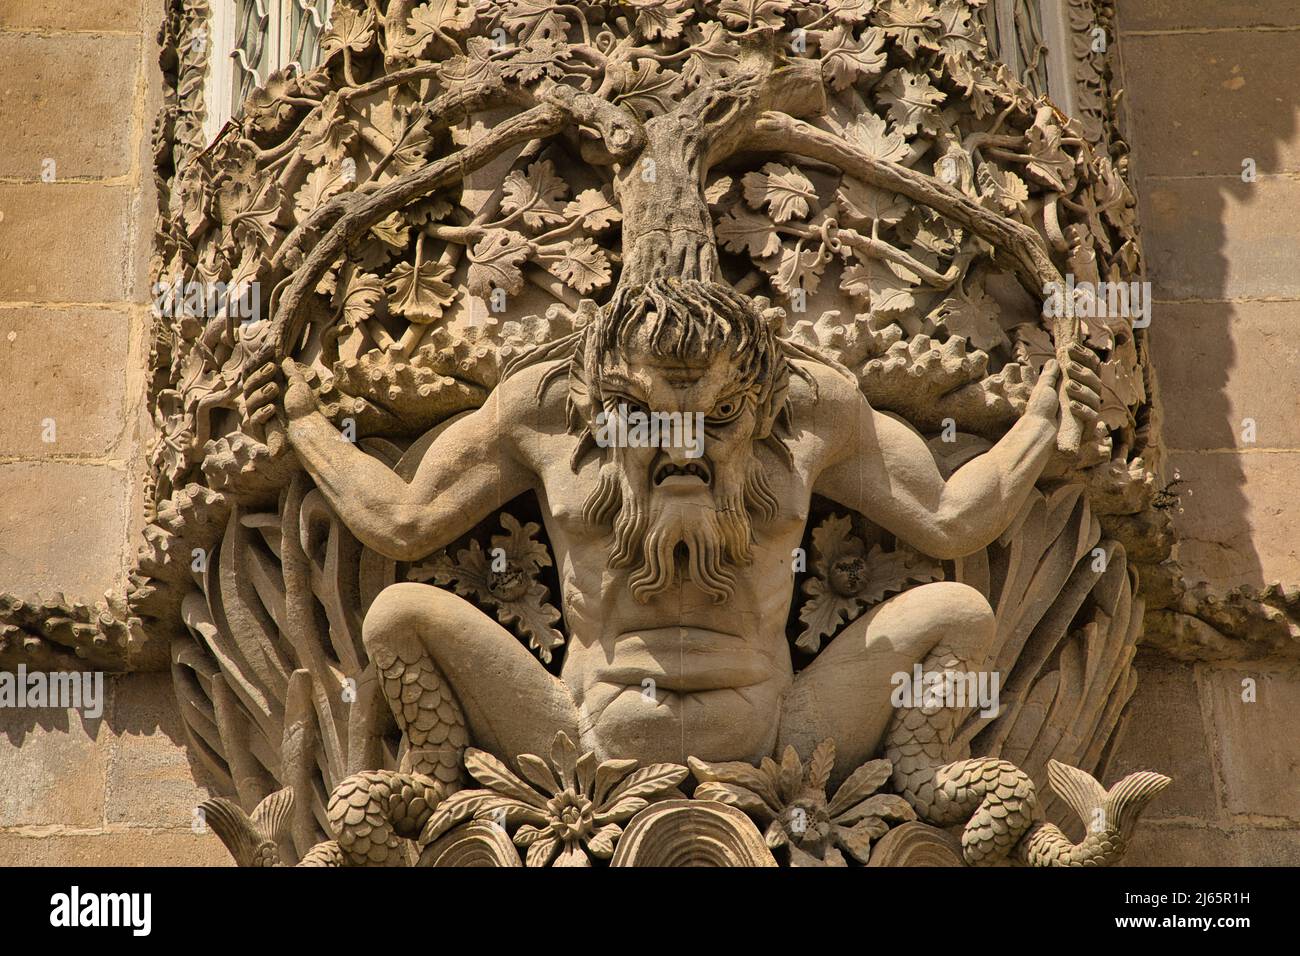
pixel 617 380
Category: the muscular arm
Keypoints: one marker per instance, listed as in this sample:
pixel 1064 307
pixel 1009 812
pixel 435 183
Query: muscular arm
pixel 471 469
pixel 890 476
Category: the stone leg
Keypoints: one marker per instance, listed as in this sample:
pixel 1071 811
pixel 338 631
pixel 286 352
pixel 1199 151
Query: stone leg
pixel 846 692
pixel 468 664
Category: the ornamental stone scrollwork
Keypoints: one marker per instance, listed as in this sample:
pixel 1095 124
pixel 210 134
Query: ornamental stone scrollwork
pixel 623 421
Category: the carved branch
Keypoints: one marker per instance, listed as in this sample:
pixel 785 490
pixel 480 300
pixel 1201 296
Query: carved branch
pixel 540 121
pixel 1030 259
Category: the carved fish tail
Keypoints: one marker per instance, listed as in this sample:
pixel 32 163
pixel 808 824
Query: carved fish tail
pixel 427 712
pixel 252 840
pixel 1109 817
pixel 995 799
pixel 371 814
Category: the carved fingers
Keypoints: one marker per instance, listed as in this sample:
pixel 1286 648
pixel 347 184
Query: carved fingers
pixel 1083 385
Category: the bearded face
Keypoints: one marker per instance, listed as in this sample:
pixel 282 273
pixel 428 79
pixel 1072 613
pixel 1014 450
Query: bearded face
pixel 679 480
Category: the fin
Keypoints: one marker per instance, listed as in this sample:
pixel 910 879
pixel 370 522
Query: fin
pixel 252 841
pixel 1119 807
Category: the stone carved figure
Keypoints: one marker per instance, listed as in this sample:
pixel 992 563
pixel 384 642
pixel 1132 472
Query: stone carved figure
pixel 676 567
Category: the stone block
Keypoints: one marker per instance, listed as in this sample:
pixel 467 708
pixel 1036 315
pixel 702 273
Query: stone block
pixel 69 99
pixel 121 848
pixel 64 368
pixel 150 781
pixel 1192 14
pixel 52 768
pixel 64 242
pixel 1221 238
pixel 1237 525
pixel 62 527
pixel 1234 103
pixel 1222 363
pixel 1155 844
pixel 1261 773
pixel 1164 731
pixel 116 15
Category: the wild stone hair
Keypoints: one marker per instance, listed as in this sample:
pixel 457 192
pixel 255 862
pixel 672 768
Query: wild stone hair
pixel 679 320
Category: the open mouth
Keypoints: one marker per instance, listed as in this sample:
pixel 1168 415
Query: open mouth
pixel 669 474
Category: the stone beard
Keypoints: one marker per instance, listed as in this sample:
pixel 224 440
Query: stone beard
pixel 677 514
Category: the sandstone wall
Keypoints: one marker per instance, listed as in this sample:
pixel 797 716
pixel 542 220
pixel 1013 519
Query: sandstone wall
pixel 1210 86
pixel 80 89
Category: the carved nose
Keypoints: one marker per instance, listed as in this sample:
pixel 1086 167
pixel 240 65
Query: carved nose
pixel 677 455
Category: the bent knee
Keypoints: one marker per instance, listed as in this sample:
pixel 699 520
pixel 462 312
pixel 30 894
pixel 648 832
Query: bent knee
pixel 400 608
pixel 949 609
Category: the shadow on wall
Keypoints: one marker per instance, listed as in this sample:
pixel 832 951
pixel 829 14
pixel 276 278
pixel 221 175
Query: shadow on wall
pixel 1212 120
pixel 129 706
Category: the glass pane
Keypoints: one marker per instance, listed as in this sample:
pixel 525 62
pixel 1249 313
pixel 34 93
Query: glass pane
pixel 306 24
pixel 251 53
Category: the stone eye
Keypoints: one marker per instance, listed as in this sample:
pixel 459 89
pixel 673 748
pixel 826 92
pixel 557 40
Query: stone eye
pixel 725 411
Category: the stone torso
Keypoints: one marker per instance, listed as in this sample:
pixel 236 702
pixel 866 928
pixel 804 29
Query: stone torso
pixel 678 673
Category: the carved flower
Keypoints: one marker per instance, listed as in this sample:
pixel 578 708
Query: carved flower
pixel 847 578
pixel 573 810
pixel 504 577
pixel 791 800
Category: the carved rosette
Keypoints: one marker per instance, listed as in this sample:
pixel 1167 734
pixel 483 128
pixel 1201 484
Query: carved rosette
pixel 461 182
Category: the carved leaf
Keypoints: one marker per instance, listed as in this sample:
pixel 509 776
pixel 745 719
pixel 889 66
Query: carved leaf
pixel 743 230
pixel 885 286
pixel 1033 346
pixel 494 774
pixel 430 19
pixel 250 211
pixel 1119 390
pixel 392 231
pixel 738 774
pixel 863 202
pixel 327 134
pixel 821 763
pixel 494 263
pixel 649 782
pixel 349 29
pixel 783 189
pixel 407 132
pixel 595 208
pixel 882 806
pixel 892 571
pixel 661 18
pixel 420 294
pixel 1002 188
pixel 536 195
pixel 845 58
pixel 851 11
pixel 734 795
pixel 579 263
pixel 649 90
pixel 860 785
pixel 321 183
pixel 911 99
pixel 872 134
pixel 476 66
pixel 974 316
pixel 798 267
pixel 540 56
pixel 822 614
pixel 958 33
pixel 355 301
pixel 746 14
pixel 911 22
